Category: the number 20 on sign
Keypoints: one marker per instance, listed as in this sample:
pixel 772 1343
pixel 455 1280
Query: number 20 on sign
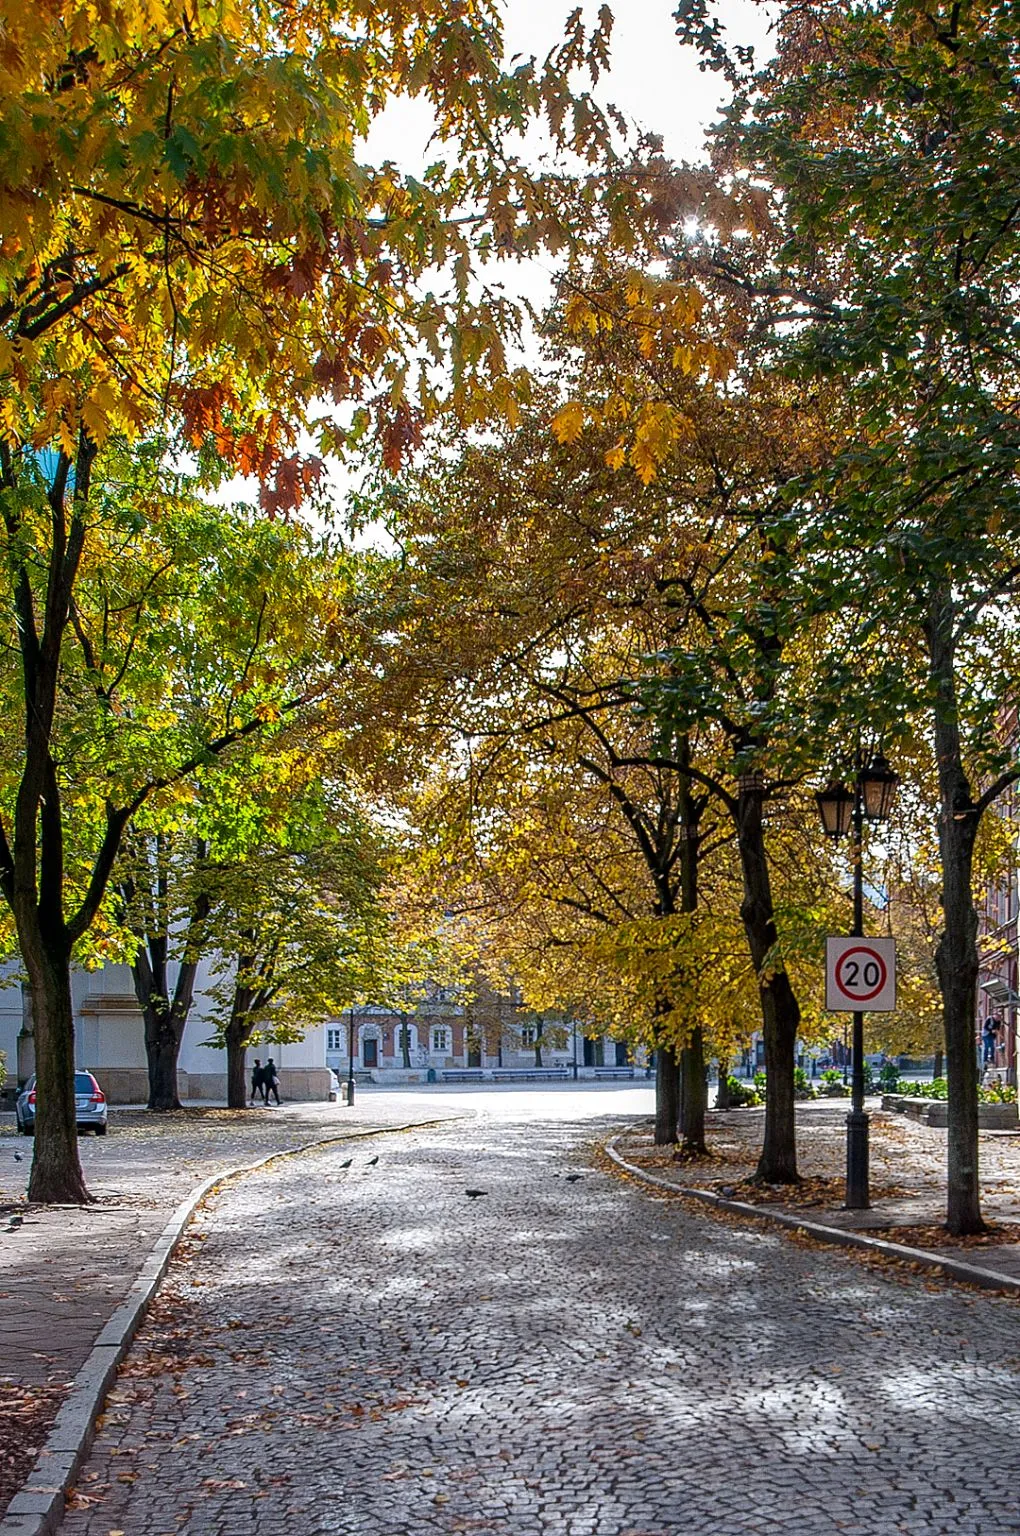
pixel 860 975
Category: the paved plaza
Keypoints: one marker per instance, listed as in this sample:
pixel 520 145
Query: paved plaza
pixel 372 1350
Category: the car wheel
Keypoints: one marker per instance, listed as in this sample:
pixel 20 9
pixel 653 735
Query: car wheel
pixel 100 1130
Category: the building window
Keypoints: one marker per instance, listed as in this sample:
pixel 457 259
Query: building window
pixel 440 1040
pixel 528 1034
pixel 334 1039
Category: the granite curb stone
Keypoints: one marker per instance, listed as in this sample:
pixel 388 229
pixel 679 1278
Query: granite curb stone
pixel 954 1269
pixel 38 1507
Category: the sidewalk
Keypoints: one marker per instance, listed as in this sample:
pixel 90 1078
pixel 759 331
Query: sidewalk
pixel 908 1179
pixel 64 1270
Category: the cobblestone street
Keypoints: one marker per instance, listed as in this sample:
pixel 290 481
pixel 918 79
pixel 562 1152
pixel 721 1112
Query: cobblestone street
pixel 372 1351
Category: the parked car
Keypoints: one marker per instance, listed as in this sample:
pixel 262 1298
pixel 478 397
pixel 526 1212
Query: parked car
pixel 89 1100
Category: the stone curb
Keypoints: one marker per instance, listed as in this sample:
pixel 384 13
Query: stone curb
pixel 38 1507
pixel 952 1269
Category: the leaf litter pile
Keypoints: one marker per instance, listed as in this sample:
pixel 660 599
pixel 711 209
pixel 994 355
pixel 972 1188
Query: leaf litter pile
pixel 908 1163
pixel 27 1412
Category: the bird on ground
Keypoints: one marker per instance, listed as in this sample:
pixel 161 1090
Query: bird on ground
pixel 372 1162
pixel 17 1157
pixel 348 1163
pixel 572 1178
pixel 473 1194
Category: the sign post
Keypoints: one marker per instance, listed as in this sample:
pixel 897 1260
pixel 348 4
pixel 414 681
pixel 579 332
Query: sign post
pixel 860 976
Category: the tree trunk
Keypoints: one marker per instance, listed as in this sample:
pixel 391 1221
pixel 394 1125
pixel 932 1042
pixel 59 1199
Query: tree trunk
pixel 164 1018
pixel 538 1044
pixel 722 1095
pixel 405 1043
pixel 237 1035
pixel 938 1064
pixel 667 1096
pixel 56 1175
pixel 693 1095
pixel 956 958
pixel 162 1049
pixel 693 1087
pixel 780 1013
pixel 239 1029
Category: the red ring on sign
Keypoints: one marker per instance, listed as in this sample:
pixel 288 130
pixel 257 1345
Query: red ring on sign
pixel 872 954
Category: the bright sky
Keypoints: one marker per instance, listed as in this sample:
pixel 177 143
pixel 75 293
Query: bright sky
pixel 653 81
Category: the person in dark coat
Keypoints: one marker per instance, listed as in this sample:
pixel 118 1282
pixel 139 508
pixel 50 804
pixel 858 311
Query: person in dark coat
pixel 271 1081
pixel 258 1082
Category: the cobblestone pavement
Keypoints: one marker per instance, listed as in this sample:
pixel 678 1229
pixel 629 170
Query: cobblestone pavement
pixel 373 1351
pixel 63 1269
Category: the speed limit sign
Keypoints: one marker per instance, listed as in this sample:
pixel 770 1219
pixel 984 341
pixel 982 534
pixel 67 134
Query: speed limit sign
pixel 860 975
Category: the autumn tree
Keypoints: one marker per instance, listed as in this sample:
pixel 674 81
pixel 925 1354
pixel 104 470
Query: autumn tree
pixel 593 580
pixel 296 921
pixel 879 145
pixel 166 905
pixel 162 654
pixel 194 250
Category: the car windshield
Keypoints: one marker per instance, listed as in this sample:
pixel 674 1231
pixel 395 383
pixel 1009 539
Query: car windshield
pixel 83 1082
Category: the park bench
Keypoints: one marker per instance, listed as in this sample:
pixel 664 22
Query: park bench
pixel 529 1074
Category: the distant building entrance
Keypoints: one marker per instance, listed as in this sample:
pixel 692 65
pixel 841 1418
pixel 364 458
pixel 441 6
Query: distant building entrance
pixel 371 1052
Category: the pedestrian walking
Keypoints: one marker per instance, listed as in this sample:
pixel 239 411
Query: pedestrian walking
pixel 258 1083
pixel 271 1080
pixel 989 1034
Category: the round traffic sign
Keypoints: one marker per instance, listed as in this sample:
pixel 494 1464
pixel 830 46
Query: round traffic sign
pixel 861 973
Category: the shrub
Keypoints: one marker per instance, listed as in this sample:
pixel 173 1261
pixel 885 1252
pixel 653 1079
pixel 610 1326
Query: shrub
pixel 996 1093
pixel 889 1077
pixel 802 1086
pixel 993 1093
pixel 742 1095
pixel 759 1083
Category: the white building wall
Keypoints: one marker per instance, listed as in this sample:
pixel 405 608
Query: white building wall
pixel 10 1016
pixel 110 1040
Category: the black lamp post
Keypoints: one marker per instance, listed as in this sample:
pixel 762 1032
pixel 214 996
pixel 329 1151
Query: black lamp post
pixel 350 1064
pixel 843 810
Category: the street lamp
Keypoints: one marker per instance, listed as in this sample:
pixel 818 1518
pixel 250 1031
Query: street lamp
pixel 350 1064
pixel 844 810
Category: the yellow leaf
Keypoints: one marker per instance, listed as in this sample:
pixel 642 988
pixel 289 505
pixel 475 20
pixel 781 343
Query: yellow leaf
pixel 579 315
pixel 568 423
